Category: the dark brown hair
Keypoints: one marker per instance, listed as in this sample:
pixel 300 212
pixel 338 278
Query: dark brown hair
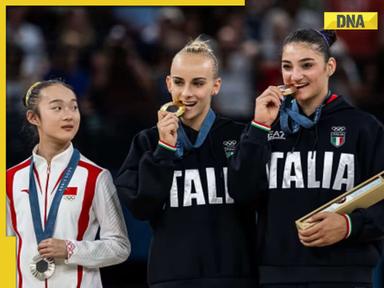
pixel 321 40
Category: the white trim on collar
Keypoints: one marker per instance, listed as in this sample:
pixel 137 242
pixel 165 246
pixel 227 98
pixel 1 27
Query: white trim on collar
pixel 59 159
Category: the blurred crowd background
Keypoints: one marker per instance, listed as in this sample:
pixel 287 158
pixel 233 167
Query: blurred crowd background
pixel 116 59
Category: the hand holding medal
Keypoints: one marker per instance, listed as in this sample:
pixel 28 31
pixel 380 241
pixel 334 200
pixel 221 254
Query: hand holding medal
pixel 168 121
pixel 287 90
pixel 53 248
pixel 176 108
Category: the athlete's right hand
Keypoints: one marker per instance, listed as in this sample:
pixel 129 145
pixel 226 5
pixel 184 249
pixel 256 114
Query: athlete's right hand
pixel 52 247
pixel 267 105
pixel 167 126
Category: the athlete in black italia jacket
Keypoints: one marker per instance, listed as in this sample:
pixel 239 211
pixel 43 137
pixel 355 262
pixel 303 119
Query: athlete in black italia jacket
pixel 201 237
pixel 293 166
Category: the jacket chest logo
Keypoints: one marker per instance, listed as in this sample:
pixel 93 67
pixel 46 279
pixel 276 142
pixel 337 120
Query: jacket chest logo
pixel 276 135
pixel 229 147
pixel 338 134
pixel 189 188
pixel 70 193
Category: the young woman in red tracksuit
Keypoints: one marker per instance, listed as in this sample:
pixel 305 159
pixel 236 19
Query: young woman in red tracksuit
pixel 57 199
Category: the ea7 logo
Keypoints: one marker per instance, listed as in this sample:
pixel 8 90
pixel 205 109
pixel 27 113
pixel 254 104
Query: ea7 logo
pixel 338 134
pixel 276 135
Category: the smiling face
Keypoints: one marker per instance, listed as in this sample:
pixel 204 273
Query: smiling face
pixel 304 67
pixel 59 118
pixel 192 82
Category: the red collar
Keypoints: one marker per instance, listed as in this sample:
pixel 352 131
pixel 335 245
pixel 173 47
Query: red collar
pixel 331 99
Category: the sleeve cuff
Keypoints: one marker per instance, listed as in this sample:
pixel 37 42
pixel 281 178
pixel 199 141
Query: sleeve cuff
pixel 167 146
pixel 349 225
pixel 261 126
pixel 258 131
pixel 356 223
pixel 164 151
pixel 70 250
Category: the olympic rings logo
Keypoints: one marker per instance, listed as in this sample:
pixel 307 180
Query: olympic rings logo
pixel 338 128
pixel 230 143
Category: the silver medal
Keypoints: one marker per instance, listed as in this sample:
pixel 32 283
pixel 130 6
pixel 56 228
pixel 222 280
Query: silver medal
pixel 42 268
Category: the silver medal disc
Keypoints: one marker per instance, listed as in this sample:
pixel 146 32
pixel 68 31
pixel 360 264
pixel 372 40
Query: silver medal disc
pixel 42 268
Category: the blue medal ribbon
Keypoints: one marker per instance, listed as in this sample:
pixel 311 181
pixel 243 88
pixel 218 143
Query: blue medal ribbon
pixel 34 203
pixel 183 142
pixel 290 118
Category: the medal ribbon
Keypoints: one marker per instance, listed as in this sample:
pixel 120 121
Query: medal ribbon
pixel 34 203
pixel 182 139
pixel 290 118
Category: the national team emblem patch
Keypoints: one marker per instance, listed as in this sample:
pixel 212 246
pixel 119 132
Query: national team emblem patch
pixel 338 136
pixel 70 193
pixel 229 147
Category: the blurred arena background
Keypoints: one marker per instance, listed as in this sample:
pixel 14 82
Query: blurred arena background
pixel 116 58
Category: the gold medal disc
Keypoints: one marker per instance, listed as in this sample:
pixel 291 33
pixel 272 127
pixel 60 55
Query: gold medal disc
pixel 176 108
pixel 287 89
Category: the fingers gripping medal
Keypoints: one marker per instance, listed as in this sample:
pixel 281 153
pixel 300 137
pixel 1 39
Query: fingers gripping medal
pixel 174 107
pixel 287 89
pixel 42 268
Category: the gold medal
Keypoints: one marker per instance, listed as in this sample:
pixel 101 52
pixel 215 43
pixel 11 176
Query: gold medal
pixel 42 268
pixel 287 89
pixel 175 108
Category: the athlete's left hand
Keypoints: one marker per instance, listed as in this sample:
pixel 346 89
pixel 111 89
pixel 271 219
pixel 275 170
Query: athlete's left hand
pixel 51 247
pixel 329 228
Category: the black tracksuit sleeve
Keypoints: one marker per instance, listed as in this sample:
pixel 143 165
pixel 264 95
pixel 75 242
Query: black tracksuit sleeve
pixel 368 224
pixel 247 174
pixel 145 178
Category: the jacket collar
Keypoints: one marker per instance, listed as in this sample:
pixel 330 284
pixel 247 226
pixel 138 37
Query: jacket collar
pixel 60 160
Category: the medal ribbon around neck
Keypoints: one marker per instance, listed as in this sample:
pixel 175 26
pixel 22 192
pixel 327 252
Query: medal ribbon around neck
pixel 289 110
pixel 183 143
pixel 34 203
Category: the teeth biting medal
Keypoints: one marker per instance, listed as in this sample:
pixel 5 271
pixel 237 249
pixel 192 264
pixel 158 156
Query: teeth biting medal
pixel 177 108
pixel 287 89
